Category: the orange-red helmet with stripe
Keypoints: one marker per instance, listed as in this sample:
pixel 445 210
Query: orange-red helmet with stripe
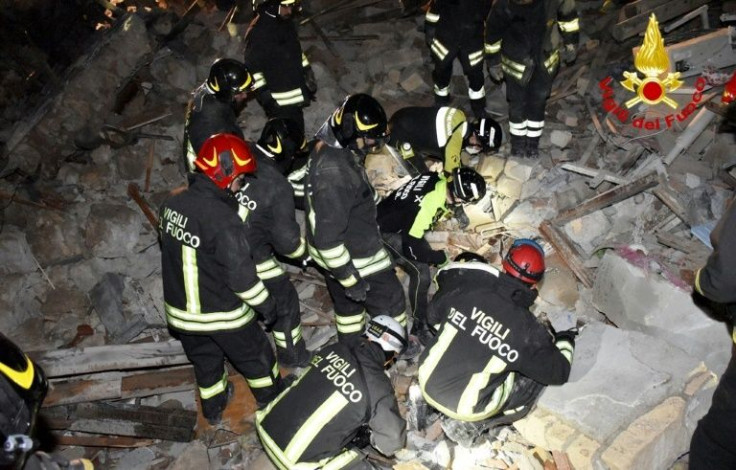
pixel 224 157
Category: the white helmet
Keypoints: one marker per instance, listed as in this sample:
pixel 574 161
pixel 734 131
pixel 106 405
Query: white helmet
pixel 387 332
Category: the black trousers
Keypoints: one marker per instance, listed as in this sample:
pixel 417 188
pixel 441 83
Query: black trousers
pixel 247 349
pixel 287 331
pixel 443 67
pixel 419 278
pixel 527 103
pixel 713 445
pixel 385 297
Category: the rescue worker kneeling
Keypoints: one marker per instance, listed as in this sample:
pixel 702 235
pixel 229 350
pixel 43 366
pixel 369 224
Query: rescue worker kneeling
pixel 341 403
pixel 491 358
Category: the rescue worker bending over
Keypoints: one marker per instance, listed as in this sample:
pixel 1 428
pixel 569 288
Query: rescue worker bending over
pixel 485 330
pixel 713 446
pixel 284 80
pixel 342 403
pixel 213 106
pixel 418 132
pixel 525 40
pixel 454 29
pixel 342 230
pixel 407 213
pixel 210 282
pixel 23 387
pixel 266 205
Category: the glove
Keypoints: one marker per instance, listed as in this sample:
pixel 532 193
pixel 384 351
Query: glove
pixel 429 30
pixel 267 102
pixel 363 437
pixel 568 335
pixel 569 53
pixel 359 291
pixel 495 72
pixel 269 317
pixel 311 83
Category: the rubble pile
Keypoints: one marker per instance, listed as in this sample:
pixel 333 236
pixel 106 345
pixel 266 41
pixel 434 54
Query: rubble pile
pixel 622 199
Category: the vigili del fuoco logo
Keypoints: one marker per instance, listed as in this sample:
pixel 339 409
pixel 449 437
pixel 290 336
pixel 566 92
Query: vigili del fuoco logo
pixel 653 63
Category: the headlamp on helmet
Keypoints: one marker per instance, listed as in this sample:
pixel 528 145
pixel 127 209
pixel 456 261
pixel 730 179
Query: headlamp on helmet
pixel 223 158
pixel 467 185
pixel 525 261
pixel 360 124
pixel 228 77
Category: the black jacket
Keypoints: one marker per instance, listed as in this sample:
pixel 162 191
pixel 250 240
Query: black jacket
pixel 344 388
pixel 485 331
pixel 267 208
pixel 458 22
pixel 206 116
pixel 411 210
pixel 342 231
pixel 210 281
pixel 274 56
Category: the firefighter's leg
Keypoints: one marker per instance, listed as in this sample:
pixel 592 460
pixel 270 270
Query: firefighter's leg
pixel 287 332
pixel 472 63
pixel 537 93
pixel 713 445
pixel 249 351
pixel 208 360
pixel 349 315
pixel 386 296
pixel 516 97
pixel 419 280
pixel 442 73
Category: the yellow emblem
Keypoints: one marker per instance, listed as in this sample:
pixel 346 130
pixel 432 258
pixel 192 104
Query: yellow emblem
pixel 276 149
pixel 212 161
pixel 239 160
pixel 23 378
pixel 338 115
pixel 652 61
pixel 361 126
pixel 215 85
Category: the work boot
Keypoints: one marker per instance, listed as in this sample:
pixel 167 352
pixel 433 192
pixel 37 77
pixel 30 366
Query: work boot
pixel 440 101
pixel 212 408
pixel 464 433
pixel 413 348
pixel 479 108
pixel 459 214
pixel 518 146
pixel 296 357
pixel 532 147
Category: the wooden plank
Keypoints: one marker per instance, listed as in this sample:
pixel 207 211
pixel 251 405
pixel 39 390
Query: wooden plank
pixel 65 362
pixel 671 200
pixel 135 385
pixel 93 440
pixel 608 198
pixel 569 254
pixel 637 24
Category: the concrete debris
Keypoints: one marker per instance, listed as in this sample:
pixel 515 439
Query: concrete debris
pixel 622 198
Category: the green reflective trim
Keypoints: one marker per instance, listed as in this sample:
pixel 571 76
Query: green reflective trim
pixel 243 212
pixel 335 257
pixel 500 397
pixel 552 61
pixel 349 281
pixel 438 49
pixel 569 26
pixel 493 48
pixel 219 387
pixel 475 57
pixel 259 80
pixel 432 17
pixel 260 382
pixel 305 61
pixel 478 382
pixel 401 318
pixel 301 249
pixel 269 269
pixel 314 424
pixel 372 264
pixel 566 349
pixel 350 323
pixel 190 273
pixel 290 97
pixel 211 321
pixel 256 295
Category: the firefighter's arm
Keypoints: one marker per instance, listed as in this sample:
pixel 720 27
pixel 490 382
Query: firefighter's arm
pixel 550 361
pixel 496 23
pixel 286 234
pixel 569 25
pixel 418 249
pixel 414 244
pixel 328 219
pixel 388 428
pixel 254 60
pixel 717 279
pixel 232 252
pixel 431 18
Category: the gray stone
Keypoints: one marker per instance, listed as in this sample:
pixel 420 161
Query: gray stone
pixel 107 297
pixel 112 230
pixel 193 457
pixel 54 237
pixel 560 139
pixel 634 297
pixel 15 253
pixel 589 230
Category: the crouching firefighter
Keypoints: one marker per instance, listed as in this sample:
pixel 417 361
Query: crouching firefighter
pixel 210 283
pixel 485 330
pixel 525 40
pixel 342 403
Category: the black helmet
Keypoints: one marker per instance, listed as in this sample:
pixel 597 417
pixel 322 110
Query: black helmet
pixel 282 138
pixel 468 256
pixel 360 116
pixel 228 77
pixel 468 185
pixel 23 387
pixel 489 134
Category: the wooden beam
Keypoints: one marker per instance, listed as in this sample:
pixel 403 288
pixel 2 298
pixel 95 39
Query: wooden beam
pixel 671 200
pixel 568 253
pixel 637 24
pixel 95 440
pixel 608 198
pixel 65 362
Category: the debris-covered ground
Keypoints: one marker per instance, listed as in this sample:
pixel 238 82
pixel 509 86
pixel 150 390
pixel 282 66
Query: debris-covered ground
pixel 622 199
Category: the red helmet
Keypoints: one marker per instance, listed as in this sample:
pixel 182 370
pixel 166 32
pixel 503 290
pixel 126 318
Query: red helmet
pixel 224 157
pixel 525 261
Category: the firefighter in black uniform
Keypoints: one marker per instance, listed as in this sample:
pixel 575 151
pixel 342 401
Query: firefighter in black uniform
pixel 339 405
pixel 267 208
pixel 438 132
pixel 525 40
pixel 213 106
pixel 485 329
pixel 454 29
pixel 342 230
pixel 713 446
pixel 407 213
pixel 284 80
pixel 210 281
pixel 23 387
